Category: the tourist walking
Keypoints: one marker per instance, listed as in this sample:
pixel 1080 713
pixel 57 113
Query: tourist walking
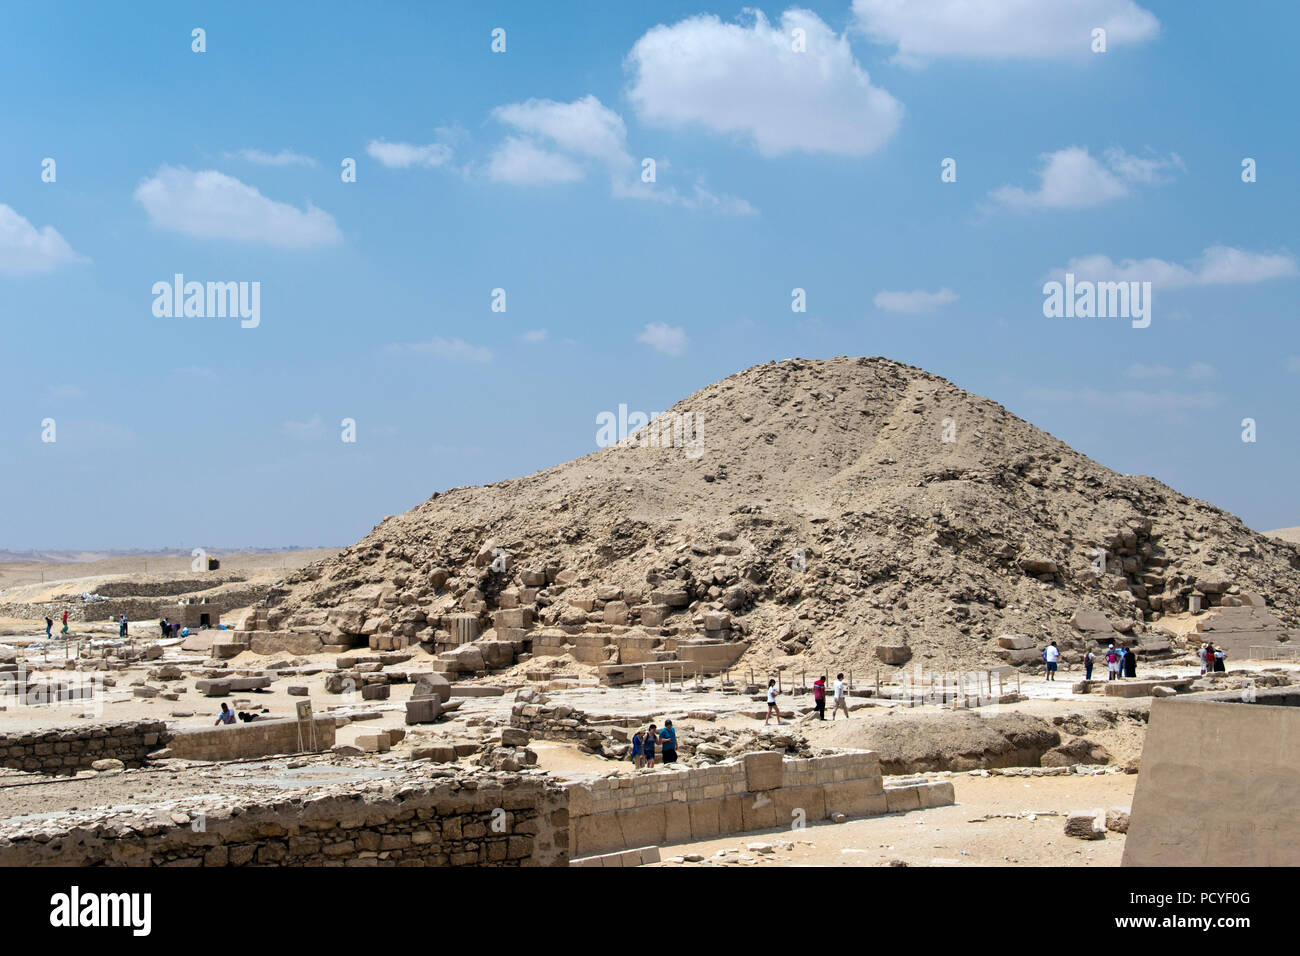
pixel 668 743
pixel 1119 669
pixel 1219 666
pixel 771 703
pixel 648 746
pixel 1131 663
pixel 819 697
pixel 49 628
pixel 1051 654
pixel 1112 663
pixel 1088 658
pixel 65 622
pixel 841 699
pixel 638 750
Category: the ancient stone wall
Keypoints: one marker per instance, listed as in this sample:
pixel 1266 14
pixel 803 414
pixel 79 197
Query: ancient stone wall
pixel 257 739
pixel 1218 782
pixel 757 791
pixel 479 819
pixel 67 750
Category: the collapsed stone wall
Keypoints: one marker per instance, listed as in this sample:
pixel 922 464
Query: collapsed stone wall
pixel 71 749
pixel 755 792
pixel 457 819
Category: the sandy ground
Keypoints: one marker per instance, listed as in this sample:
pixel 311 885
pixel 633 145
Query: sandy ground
pixel 1026 829
pixel 14 573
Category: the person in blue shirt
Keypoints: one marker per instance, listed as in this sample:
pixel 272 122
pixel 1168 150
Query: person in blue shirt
pixel 638 751
pixel 668 742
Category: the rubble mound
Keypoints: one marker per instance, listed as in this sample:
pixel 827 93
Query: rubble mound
pixel 799 512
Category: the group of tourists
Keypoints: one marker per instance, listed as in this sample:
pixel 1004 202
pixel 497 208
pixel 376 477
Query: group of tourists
pixel 169 628
pixel 643 745
pixel 1121 662
pixel 1211 659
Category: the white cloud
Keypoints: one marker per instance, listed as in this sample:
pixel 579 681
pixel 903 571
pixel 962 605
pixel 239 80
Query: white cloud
pixel 1202 372
pixel 313 428
pixel 668 339
pixel 922 30
pixel 1072 178
pixel 914 303
pixel 1217 265
pixel 535 336
pixel 733 78
pixel 25 250
pixel 212 205
pixel 522 162
pixel 406 155
pixel 457 350
pixel 68 391
pixel 561 142
pixel 285 157
pixel 585 127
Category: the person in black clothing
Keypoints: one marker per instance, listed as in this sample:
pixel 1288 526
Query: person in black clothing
pixel 1131 663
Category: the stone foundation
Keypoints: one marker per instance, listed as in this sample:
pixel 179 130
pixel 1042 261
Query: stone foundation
pixel 757 791
pixel 478 819
pixel 70 749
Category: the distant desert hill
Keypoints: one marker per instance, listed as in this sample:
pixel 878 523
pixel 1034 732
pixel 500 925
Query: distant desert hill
pixel 829 507
pixel 1286 534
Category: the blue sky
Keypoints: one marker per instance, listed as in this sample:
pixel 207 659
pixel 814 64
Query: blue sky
pixel 475 170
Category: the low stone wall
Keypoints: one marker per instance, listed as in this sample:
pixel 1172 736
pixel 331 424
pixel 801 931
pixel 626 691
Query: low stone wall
pixel 67 750
pixel 758 791
pixel 257 739
pixel 467 819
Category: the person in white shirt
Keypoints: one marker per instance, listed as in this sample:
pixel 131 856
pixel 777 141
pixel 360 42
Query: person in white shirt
pixel 1051 655
pixel 841 699
pixel 771 703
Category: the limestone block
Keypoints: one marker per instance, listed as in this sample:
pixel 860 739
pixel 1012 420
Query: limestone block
pixel 902 799
pixel 894 653
pixel 764 770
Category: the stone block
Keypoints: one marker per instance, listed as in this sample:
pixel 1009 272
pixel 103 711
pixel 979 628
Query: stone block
pixel 758 811
pixel 373 743
pixel 854 798
pixel 936 793
pixel 893 653
pixel 1085 825
pixel 1015 642
pixel 764 770
pixel 902 799
pixel 423 710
